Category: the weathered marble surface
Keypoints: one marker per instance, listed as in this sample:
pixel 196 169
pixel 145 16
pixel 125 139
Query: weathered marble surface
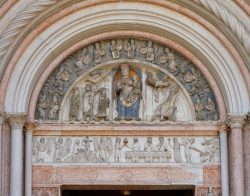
pixel 119 51
pixel 122 149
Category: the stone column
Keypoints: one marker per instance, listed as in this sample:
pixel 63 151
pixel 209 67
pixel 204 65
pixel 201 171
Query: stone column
pixel 29 127
pixel 16 174
pixel 2 118
pixel 224 160
pixel 236 155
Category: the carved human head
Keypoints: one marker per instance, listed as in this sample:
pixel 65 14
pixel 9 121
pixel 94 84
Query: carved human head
pixel 161 139
pixel 88 87
pixel 149 44
pixel 42 140
pixel 149 140
pixel 124 69
pixel 135 140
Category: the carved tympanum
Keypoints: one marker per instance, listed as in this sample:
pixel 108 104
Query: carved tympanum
pixel 130 84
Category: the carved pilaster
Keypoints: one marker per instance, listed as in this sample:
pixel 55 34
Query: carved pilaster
pixel 17 120
pixel 236 121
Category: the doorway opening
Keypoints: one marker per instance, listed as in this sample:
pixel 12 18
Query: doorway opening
pixel 128 191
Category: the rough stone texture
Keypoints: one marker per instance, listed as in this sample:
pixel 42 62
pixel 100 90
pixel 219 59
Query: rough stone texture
pixel 211 175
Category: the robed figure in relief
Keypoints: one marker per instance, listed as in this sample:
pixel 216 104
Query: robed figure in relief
pixel 127 91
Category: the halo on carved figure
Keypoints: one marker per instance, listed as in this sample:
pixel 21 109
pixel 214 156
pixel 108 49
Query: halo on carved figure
pixel 155 64
pixel 107 75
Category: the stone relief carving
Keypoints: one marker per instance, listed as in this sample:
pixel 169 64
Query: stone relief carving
pixel 62 78
pixel 103 149
pixel 127 87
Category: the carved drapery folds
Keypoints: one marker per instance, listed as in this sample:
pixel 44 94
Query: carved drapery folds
pixel 124 149
pixel 134 69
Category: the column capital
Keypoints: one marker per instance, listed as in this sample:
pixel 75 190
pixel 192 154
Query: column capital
pixel 29 126
pixel 222 125
pixel 16 119
pixel 236 120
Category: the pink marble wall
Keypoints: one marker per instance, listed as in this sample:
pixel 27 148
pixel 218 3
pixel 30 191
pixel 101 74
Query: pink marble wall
pixel 246 153
pixel 5 167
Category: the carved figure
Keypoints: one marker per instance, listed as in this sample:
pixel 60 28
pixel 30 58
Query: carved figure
pixel 154 81
pixel 136 147
pixel 115 49
pixel 42 106
pixel 149 146
pixel 166 109
pixel 172 63
pixel 177 150
pixel 163 56
pixel 102 150
pixel 86 58
pixel 189 77
pixel 85 143
pixel 98 75
pixel 87 99
pixel 98 53
pixel 109 148
pixel 117 151
pixel 130 48
pixel 103 104
pixel 74 104
pixel 128 92
pixel 54 107
pixel 162 146
pixel 148 51
pixel 188 145
pixel 42 149
pixel 59 150
pixel 210 107
pixel 211 148
pixel 75 153
pixel 62 76
pixel 199 108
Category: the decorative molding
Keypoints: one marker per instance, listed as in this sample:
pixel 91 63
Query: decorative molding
pixel 236 121
pixel 17 120
pixel 19 21
pixel 229 19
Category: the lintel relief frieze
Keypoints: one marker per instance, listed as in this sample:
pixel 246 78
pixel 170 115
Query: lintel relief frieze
pixel 126 80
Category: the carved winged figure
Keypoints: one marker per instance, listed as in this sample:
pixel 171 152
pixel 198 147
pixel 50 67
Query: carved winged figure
pixel 166 109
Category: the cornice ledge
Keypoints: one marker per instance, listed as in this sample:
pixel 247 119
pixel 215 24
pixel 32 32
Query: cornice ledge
pixel 236 121
pixel 237 27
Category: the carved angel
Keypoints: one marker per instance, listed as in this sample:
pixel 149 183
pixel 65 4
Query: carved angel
pixel 166 109
pixel 154 81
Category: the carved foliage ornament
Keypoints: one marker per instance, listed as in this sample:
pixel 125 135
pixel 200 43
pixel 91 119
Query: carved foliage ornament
pixel 126 86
